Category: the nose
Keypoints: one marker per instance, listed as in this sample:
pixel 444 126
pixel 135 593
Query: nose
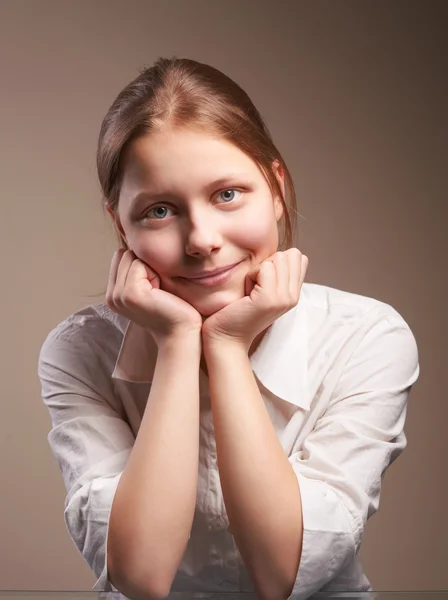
pixel 202 237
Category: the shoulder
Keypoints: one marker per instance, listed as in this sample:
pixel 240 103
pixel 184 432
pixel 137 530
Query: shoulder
pixel 331 304
pixel 94 325
pixel 345 323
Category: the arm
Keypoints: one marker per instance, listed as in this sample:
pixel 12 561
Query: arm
pixel 262 496
pixel 95 448
pixel 339 465
pixel 154 504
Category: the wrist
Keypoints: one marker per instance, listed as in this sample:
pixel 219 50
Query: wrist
pixel 214 346
pixel 185 340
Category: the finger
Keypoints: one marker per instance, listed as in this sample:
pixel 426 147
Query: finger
pixel 141 270
pixel 295 268
pixel 281 263
pixel 253 272
pixel 303 268
pixel 123 270
pixel 252 277
pixel 113 271
pixel 267 278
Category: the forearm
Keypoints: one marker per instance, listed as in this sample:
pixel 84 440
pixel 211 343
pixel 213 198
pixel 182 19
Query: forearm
pixel 154 504
pixel 260 488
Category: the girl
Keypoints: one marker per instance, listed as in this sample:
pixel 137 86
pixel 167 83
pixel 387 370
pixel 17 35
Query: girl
pixel 220 424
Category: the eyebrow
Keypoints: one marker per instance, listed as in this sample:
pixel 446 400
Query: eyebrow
pixel 228 179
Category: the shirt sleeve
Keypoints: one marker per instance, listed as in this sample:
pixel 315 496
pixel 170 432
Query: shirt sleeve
pixel 89 439
pixel 343 460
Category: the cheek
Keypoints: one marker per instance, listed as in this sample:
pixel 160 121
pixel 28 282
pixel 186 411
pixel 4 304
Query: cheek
pixel 260 234
pixel 153 255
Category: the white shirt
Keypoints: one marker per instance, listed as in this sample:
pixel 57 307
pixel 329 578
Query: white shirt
pixel 334 374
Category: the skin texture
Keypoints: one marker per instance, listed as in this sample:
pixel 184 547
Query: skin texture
pixel 197 225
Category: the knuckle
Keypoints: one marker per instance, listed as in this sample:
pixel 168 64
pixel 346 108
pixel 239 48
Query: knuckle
pixel 126 298
pixel 109 297
pixel 116 298
pixel 129 298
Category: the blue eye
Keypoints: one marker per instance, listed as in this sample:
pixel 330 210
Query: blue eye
pixel 232 191
pixel 162 207
pixel 157 208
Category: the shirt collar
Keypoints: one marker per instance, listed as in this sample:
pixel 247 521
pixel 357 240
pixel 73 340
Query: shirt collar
pixel 280 362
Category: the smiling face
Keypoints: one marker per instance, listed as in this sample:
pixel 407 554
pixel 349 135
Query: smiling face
pixel 191 202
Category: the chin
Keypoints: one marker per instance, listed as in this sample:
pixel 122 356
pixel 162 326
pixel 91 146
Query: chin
pixel 206 311
pixel 214 302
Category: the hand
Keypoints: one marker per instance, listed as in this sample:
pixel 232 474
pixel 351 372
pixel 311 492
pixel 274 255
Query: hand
pixel 134 291
pixel 272 288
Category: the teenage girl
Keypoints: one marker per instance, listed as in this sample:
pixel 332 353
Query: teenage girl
pixel 220 424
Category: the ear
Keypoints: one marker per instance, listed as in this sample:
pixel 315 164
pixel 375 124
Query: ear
pixel 280 176
pixel 117 223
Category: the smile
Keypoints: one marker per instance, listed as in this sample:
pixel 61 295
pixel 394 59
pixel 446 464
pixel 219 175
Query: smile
pixel 213 279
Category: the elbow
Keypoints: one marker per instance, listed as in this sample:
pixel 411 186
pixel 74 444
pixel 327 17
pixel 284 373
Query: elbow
pixel 158 593
pixel 134 588
pixel 271 586
pixel 270 590
pixel 136 591
pixel 279 584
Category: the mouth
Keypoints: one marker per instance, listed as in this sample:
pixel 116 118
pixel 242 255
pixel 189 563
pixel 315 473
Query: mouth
pixel 215 279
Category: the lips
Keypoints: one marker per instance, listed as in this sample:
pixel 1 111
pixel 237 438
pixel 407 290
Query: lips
pixel 216 278
pixel 213 273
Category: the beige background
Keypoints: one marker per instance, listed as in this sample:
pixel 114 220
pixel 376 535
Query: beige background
pixel 355 96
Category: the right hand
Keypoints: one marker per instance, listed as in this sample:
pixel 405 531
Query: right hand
pixel 134 292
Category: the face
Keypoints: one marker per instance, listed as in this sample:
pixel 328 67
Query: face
pixel 190 202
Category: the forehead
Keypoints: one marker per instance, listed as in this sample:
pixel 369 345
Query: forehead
pixel 167 157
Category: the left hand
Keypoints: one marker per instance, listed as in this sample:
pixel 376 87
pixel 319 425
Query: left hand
pixel 272 288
